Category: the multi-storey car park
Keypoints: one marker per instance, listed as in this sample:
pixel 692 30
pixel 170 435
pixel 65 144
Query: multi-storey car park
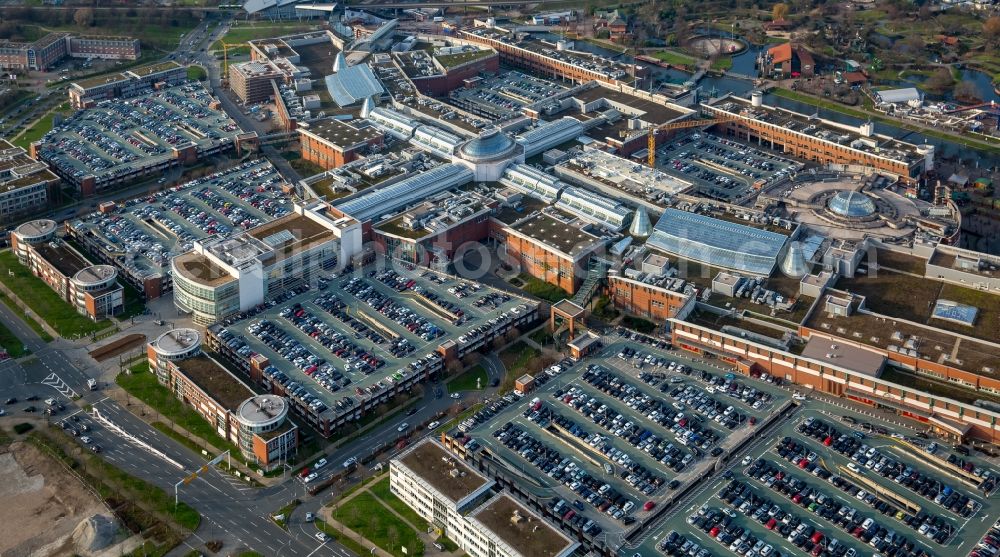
pixel 111 145
pixel 342 348
pixel 640 450
pixel 139 236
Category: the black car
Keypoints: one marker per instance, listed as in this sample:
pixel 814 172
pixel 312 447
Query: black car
pixel 30 409
pixel 10 400
pixel 95 448
pixel 716 451
pixel 411 411
pixel 31 398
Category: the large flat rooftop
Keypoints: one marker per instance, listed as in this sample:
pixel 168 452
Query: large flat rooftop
pixel 341 134
pixel 833 352
pixel 527 534
pixel 443 471
pixel 65 260
pixel 652 112
pixel 304 231
pixel 215 381
pixel 567 237
pixel 199 268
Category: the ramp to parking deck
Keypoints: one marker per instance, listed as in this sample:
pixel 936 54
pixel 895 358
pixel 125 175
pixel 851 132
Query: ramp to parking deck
pixel 941 464
pixel 571 440
pixel 879 491
pixel 374 324
pixel 431 306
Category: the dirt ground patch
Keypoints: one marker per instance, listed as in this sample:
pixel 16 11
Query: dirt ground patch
pixel 120 346
pixel 43 503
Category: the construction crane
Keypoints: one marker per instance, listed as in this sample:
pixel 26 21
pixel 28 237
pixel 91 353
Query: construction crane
pixel 683 124
pixel 225 60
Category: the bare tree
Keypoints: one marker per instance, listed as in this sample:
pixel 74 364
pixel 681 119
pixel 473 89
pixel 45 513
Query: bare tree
pixel 779 11
pixel 84 17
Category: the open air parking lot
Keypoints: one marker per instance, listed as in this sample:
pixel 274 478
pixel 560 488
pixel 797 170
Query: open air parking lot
pixel 352 337
pixel 501 98
pixel 123 138
pixel 724 169
pixel 605 442
pixel 142 234
pixel 608 442
pixel 827 483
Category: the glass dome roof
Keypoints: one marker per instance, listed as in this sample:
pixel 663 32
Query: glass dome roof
pixel 852 204
pixel 491 144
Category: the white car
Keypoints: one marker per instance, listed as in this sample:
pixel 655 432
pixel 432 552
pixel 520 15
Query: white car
pixel 85 440
pixel 319 464
pixel 433 424
pixel 456 395
pixel 402 427
pixel 799 396
pixel 321 537
pixel 746 461
pixel 350 461
pixel 312 476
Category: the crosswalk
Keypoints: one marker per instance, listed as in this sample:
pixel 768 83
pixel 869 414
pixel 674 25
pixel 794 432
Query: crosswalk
pixel 56 382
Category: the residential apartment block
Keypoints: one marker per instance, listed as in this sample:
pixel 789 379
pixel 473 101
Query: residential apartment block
pixel 42 54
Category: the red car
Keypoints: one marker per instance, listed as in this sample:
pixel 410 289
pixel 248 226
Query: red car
pixel 714 531
pixel 771 524
pixel 803 463
pixel 817 537
pixel 828 441
pixel 648 506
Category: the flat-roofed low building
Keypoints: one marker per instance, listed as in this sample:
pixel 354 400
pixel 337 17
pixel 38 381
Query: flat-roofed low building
pixel 331 143
pixel 93 290
pixel 502 527
pixel 436 483
pixel 26 185
pixel 555 250
pixel 453 496
pixel 257 424
pixel 88 92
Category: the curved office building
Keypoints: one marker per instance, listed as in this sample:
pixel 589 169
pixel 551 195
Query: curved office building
pixel 203 290
pixel 262 428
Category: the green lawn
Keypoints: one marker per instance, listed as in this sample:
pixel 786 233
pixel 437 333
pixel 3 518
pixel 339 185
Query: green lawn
pixel 367 516
pixel 381 490
pixel 722 63
pixel 467 380
pixel 143 385
pixel 257 30
pixel 516 357
pixel 674 58
pixel 44 301
pixel 35 326
pixel 41 127
pixel 13 345
pixel 197 73
pixel 134 304
pixel 639 324
pixel 544 290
